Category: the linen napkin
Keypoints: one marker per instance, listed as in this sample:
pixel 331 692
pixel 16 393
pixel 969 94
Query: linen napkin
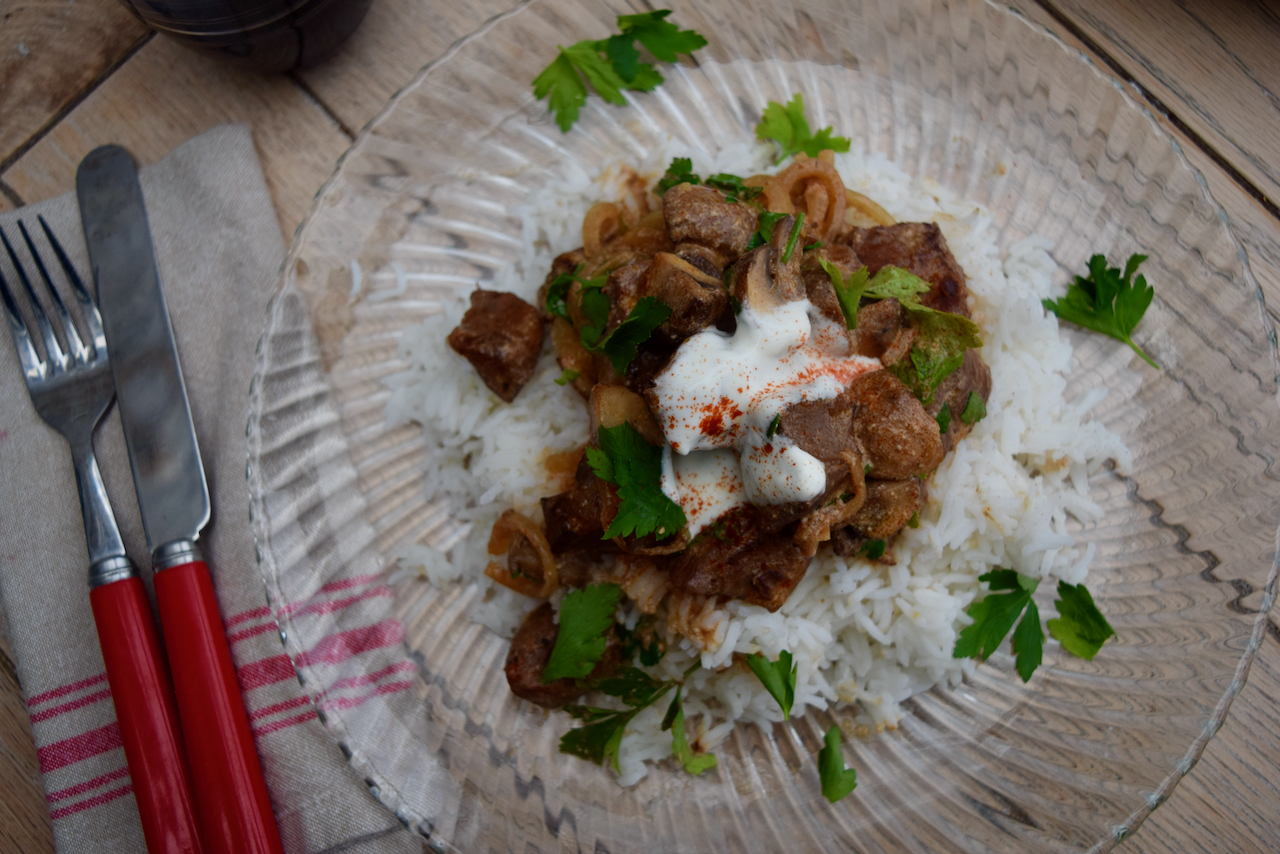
pixel 219 248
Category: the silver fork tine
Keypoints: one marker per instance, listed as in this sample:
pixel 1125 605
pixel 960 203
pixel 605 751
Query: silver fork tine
pixel 32 368
pixel 76 351
pixel 57 359
pixel 92 318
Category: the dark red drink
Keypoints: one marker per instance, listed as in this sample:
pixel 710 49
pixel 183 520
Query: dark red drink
pixel 265 35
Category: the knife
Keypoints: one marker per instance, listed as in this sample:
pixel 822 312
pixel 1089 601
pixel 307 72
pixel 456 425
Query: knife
pixel 232 802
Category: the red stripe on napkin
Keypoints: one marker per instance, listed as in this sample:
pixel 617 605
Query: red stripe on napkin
pixel 80 747
pixel 79 702
pixel 96 800
pixel 87 785
pixel 65 690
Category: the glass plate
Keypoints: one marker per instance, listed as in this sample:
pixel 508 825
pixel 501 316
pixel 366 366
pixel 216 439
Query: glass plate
pixel 966 93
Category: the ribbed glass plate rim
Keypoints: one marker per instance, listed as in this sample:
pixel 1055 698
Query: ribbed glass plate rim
pixel 385 792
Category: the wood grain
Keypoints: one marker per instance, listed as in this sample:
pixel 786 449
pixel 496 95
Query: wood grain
pixel 397 38
pixel 50 52
pixel 166 94
pixel 24 819
pixel 1214 63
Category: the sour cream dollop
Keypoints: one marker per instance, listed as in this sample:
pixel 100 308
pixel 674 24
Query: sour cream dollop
pixel 722 392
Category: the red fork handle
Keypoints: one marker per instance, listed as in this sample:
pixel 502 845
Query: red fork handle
pixel 231 794
pixel 148 718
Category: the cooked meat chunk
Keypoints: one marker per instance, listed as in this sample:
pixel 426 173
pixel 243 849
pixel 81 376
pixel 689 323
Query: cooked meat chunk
pixel 531 650
pixel 883 332
pixel 624 287
pixel 889 507
pixel 696 299
pixel 973 375
pixel 501 336
pixel 758 570
pixel 900 439
pixel 701 215
pixel 821 428
pixel 565 263
pixel 652 356
pixel 572 519
pixel 817 282
pixel 761 279
pixel 920 248
pixel 705 258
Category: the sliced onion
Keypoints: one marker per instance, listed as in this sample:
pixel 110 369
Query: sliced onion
pixel 508 525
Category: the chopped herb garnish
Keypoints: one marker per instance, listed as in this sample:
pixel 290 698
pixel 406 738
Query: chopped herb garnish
pixel 773 426
pixel 595 305
pixel 914 521
pixel 994 615
pixel 641 641
pixel 597 740
pixel 612 65
pixel 679 172
pixel 622 343
pixel 873 549
pixel 557 302
pixel 944 418
pixel 975 409
pixel 720 531
pixel 585 616
pixel 817 245
pixel 626 459
pixel 837 780
pixel 787 126
pixel 791 241
pixel 764 229
pixel 694 763
pixel 1080 626
pixel 733 186
pixel 1107 301
pixel 778 678
pixel 567 376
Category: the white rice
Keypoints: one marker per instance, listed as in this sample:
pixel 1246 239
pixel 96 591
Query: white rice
pixel 860 633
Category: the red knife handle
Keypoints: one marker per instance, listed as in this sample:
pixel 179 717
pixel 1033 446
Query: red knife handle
pixel 148 717
pixel 231 794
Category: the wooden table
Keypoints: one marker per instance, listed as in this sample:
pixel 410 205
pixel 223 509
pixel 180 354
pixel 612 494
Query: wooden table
pixel 74 75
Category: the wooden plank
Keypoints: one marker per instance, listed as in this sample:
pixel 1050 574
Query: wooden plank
pixel 166 94
pixel 395 40
pixel 51 51
pixel 1214 63
pixel 1227 804
pixel 24 819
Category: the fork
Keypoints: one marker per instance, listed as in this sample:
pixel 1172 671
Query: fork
pixel 71 389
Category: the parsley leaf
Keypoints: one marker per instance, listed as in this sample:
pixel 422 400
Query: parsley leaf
pixel 975 409
pixel 585 615
pixel 778 678
pixel 694 763
pixel 1107 301
pixel 611 65
pixel 595 308
pixel 557 301
pixel 837 780
pixel 773 426
pixel 791 241
pixel 848 291
pixel 621 345
pixel 994 616
pixel 679 172
pixel 1080 626
pixel 764 229
pixel 787 126
pixel 873 549
pixel 560 84
pixel 567 376
pixel 943 417
pixel 598 739
pixel 636 467
pixel 914 521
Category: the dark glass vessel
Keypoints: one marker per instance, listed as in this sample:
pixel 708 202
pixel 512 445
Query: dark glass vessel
pixel 263 35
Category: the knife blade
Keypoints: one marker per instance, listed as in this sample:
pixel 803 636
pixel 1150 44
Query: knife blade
pixel 232 802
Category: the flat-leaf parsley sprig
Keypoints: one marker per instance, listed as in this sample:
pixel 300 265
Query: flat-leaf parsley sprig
pixel 787 126
pixel 613 64
pixel 624 458
pixel 1108 301
pixel 1079 626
